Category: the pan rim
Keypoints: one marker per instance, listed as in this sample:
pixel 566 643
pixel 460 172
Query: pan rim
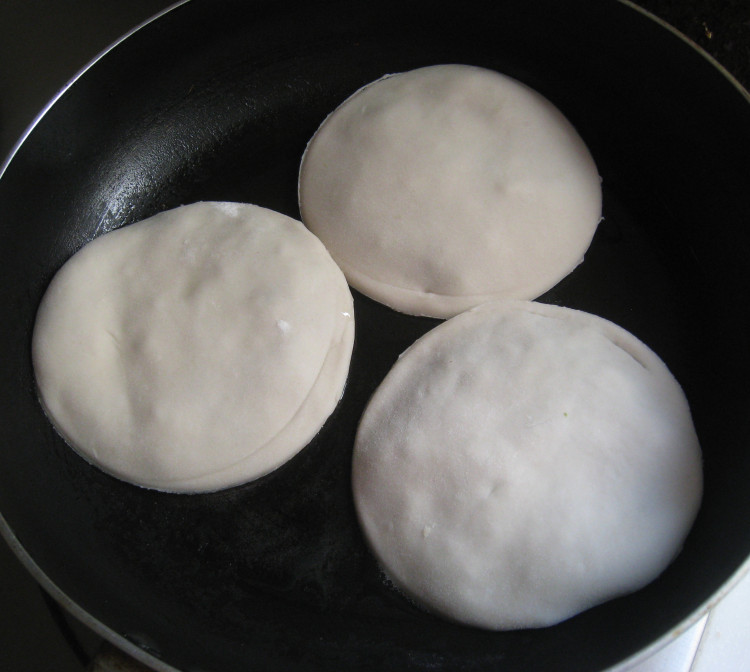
pixel 74 608
pixel 51 102
pixel 691 43
pixel 151 660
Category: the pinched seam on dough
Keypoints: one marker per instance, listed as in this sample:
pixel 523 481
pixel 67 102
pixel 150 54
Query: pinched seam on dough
pixel 417 292
pixel 622 345
pixel 615 334
pixel 92 457
pixel 335 343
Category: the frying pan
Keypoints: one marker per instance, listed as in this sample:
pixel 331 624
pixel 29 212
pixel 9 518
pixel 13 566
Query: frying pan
pixel 216 101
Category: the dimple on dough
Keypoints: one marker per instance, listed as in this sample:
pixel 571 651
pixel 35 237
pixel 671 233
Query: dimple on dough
pixel 523 462
pixel 447 186
pixel 195 350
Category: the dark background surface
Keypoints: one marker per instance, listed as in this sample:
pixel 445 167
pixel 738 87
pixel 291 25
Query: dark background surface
pixel 42 45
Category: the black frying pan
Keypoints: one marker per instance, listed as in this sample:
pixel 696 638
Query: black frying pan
pixel 216 100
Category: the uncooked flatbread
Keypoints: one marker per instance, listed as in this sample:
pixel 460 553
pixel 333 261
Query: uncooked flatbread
pixel 522 462
pixel 195 350
pixel 447 186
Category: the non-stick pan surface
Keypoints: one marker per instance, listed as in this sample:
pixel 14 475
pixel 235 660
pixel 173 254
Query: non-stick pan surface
pixel 216 101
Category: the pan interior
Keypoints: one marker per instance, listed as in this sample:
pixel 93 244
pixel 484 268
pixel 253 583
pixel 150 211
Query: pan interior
pixel 216 101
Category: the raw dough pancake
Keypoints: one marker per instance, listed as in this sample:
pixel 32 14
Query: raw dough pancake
pixel 197 349
pixel 447 186
pixel 523 462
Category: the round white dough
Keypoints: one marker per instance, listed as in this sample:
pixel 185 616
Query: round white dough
pixel 447 186
pixel 197 349
pixel 523 462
